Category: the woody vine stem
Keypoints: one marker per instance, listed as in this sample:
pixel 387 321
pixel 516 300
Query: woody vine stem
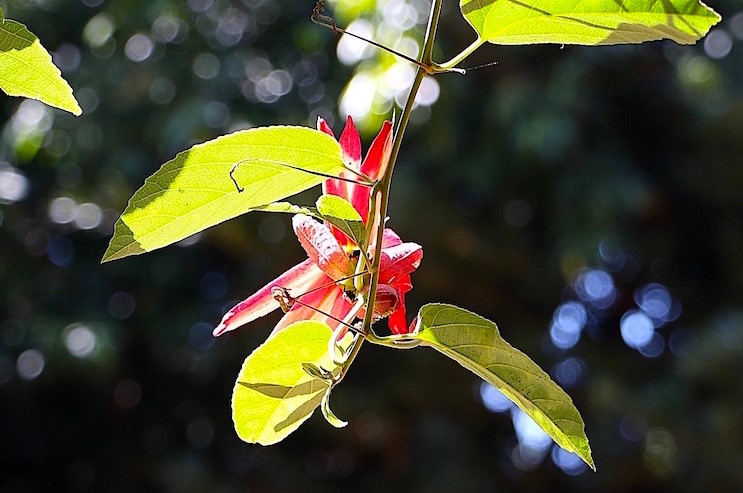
pixel 381 191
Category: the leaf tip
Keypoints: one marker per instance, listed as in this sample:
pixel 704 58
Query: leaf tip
pixel 122 244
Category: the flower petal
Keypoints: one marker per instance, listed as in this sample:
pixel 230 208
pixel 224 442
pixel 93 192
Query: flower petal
pixel 330 186
pixel 322 247
pixel 296 279
pixel 350 142
pixel 398 261
pixel 397 322
pixel 323 126
pixel 329 300
pixel 377 158
pixel 390 238
pixel 373 166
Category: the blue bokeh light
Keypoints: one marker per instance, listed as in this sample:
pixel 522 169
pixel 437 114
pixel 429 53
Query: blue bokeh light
pixel 568 371
pixel 636 328
pixel 654 347
pixel 657 303
pixel 567 323
pixel 200 336
pixel 569 462
pixel 595 287
pixel 493 399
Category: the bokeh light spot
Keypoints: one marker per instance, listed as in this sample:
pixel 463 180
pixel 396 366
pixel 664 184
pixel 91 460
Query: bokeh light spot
pixel 121 305
pixel 166 28
pixel 428 93
pixel 99 30
pixel 88 216
pixel 568 372
pixel 162 90
pixel 200 336
pixel 654 347
pixel 567 323
pixel 717 44
pixel 595 287
pixel 80 340
pixel 533 442
pixel 636 328
pixel 30 364
pixel 493 399
pixel 352 50
pixel 216 114
pixel 61 251
pixel 205 66
pixel 569 462
pixel 13 185
pixel 139 47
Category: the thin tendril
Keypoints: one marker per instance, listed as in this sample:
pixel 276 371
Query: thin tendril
pixel 293 301
pixel 297 168
pixel 329 23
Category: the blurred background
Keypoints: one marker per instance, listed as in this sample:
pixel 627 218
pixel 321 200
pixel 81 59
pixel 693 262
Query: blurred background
pixel 588 200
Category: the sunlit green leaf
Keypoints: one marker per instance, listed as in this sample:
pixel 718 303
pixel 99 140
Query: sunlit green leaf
pixel 588 22
pixel 286 208
pixel 221 179
pixel 27 70
pixel 341 214
pixel 475 343
pixel 274 392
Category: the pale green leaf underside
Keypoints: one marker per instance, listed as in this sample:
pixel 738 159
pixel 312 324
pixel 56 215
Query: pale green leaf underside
pixel 27 70
pixel 274 394
pixel 474 342
pixel 220 179
pixel 339 212
pixel 588 22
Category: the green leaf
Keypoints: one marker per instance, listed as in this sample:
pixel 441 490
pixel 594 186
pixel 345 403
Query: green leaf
pixel 221 179
pixel 340 213
pixel 588 22
pixel 474 342
pixel 27 70
pixel 286 208
pixel 275 392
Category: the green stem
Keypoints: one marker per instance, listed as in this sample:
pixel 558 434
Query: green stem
pixel 381 193
pixel 449 66
pixel 352 356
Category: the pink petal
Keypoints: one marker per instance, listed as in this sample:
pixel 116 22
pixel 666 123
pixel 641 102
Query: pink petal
pixel 297 279
pixel 390 238
pixel 378 156
pixel 331 186
pixel 322 247
pixel 398 261
pixel 329 300
pixel 350 142
pixel 373 166
pixel 397 322
pixel 323 126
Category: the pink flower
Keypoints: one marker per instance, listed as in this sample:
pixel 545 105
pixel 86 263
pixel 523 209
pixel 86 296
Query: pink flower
pixel 322 287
